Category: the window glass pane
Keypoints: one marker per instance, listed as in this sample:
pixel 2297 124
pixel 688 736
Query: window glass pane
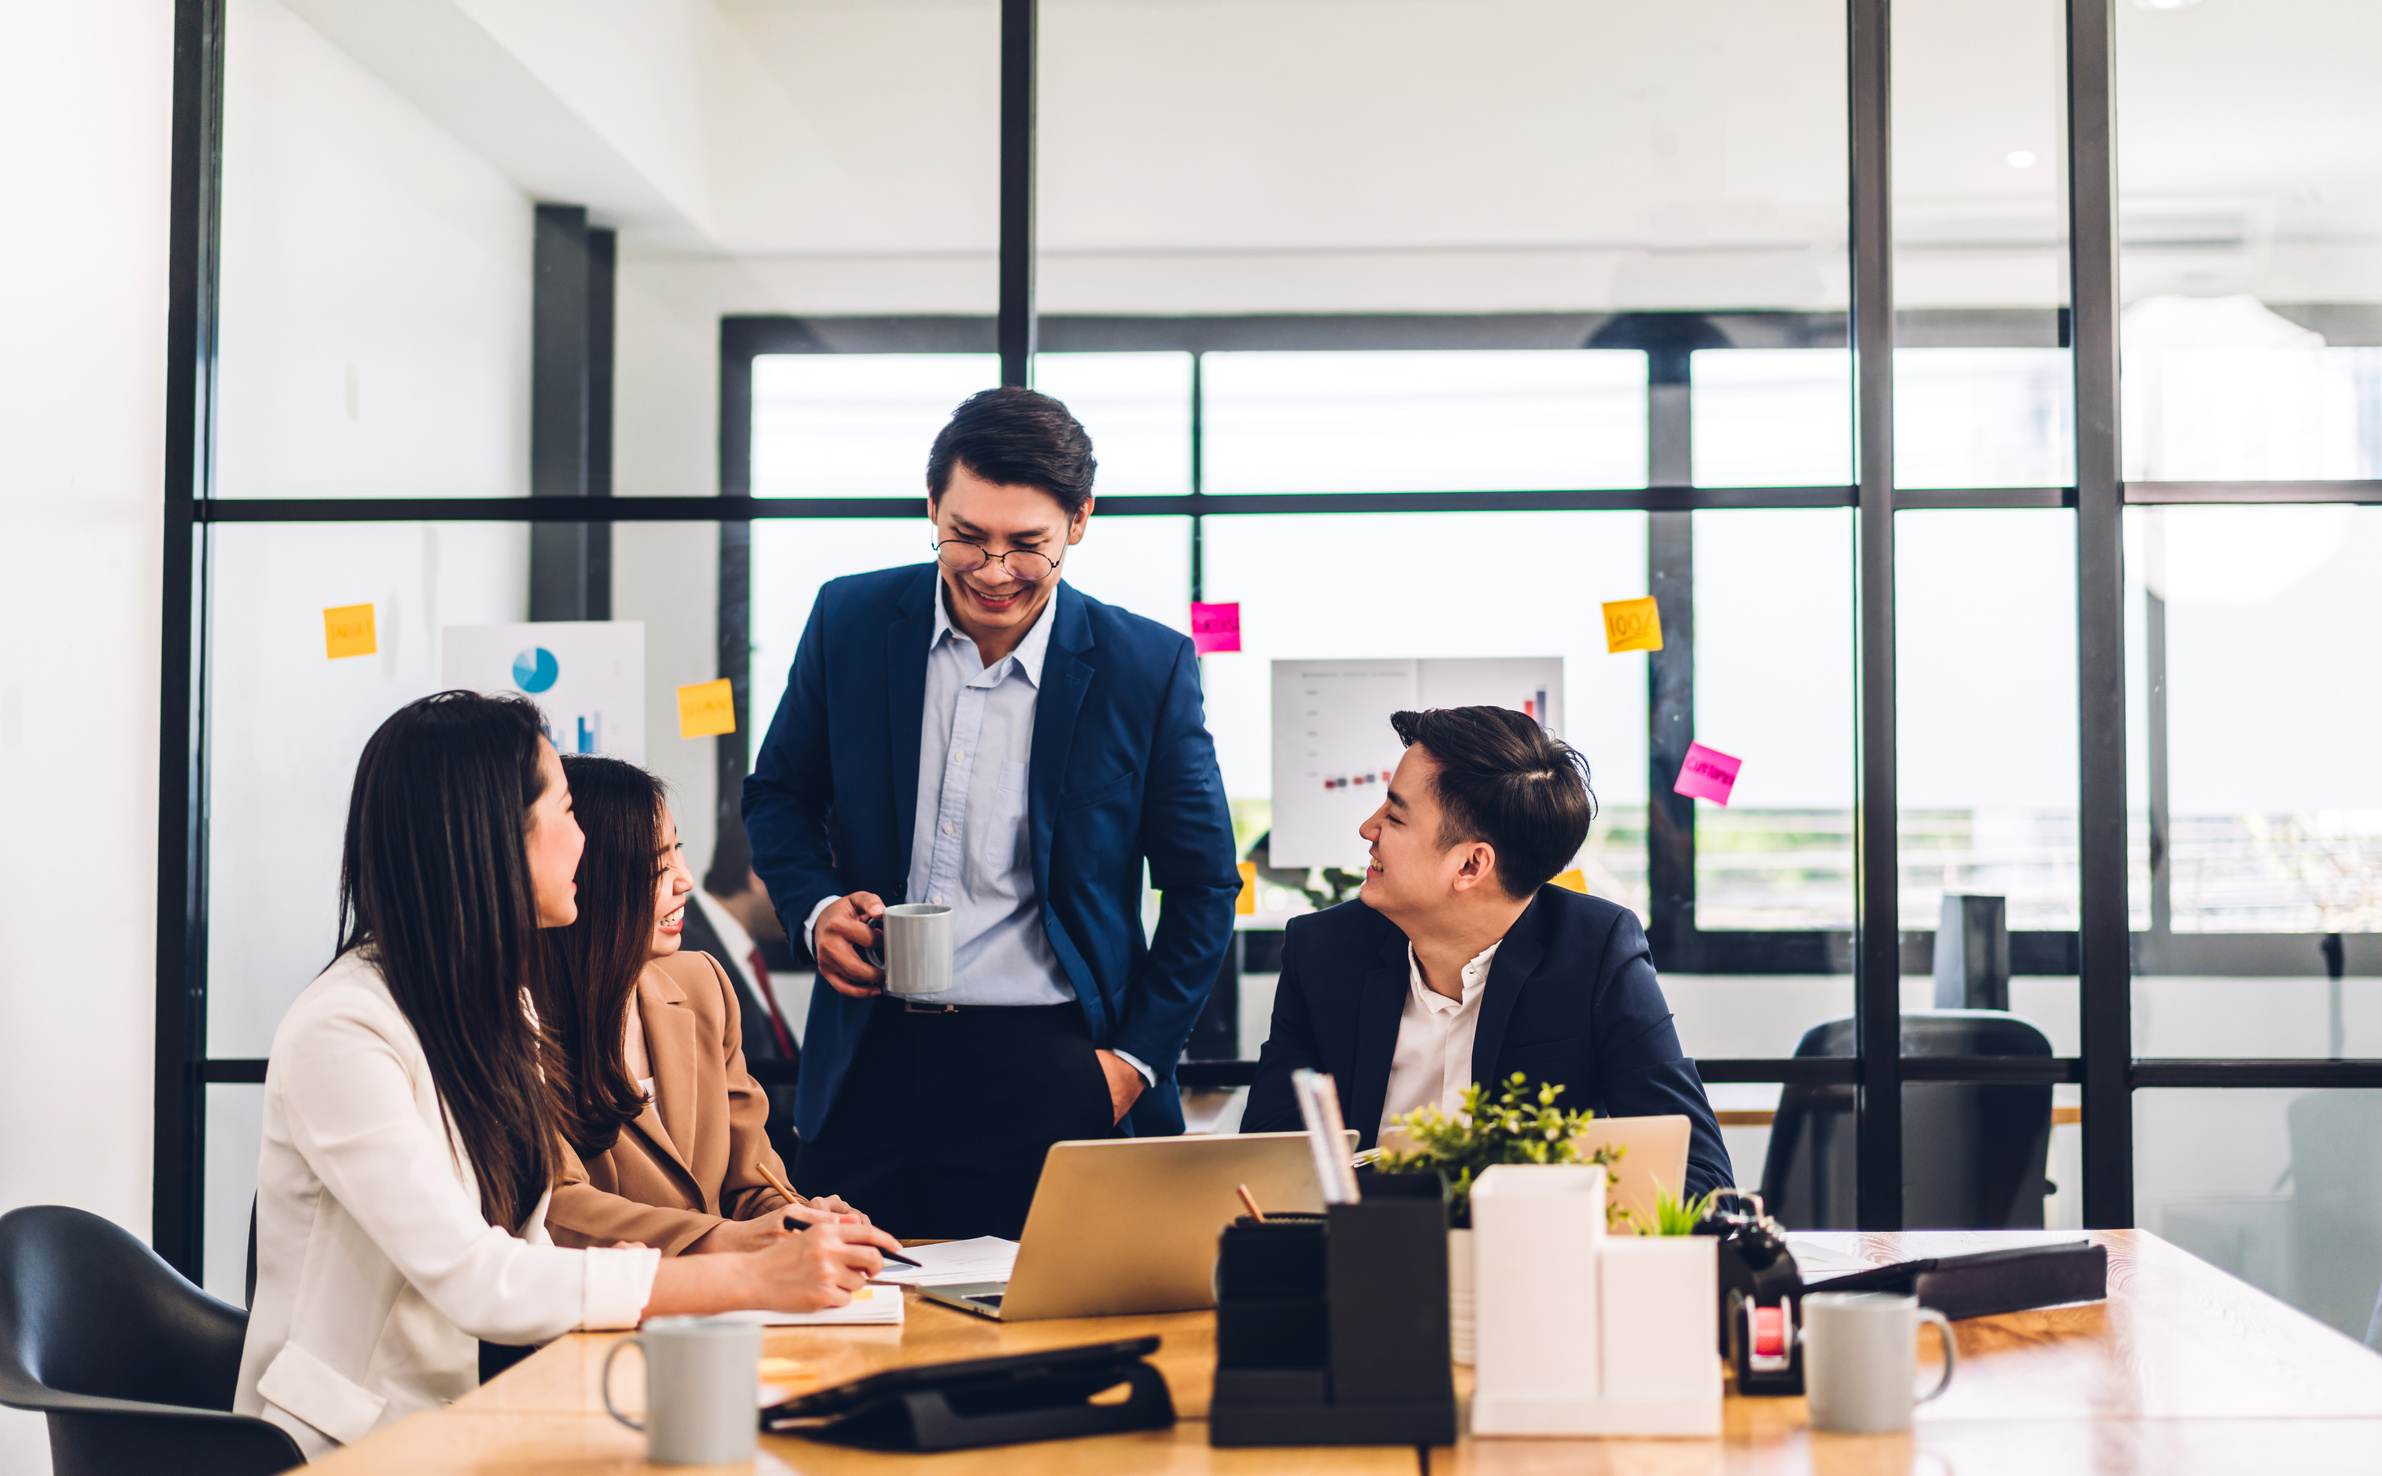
pixel 235 1135
pixel 2249 222
pixel 1423 422
pixel 792 557
pixel 1773 417
pixel 1517 584
pixel 1985 711
pixel 1417 158
pixel 2272 1186
pixel 384 174
pixel 287 722
pixel 1137 408
pixel 2258 693
pixel 855 425
pixel 1773 678
pixel 1984 417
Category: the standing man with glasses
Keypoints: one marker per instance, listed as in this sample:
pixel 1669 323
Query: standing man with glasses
pixel 977 733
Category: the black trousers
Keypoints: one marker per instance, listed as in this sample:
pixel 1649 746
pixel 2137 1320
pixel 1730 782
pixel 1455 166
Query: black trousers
pixel 943 1120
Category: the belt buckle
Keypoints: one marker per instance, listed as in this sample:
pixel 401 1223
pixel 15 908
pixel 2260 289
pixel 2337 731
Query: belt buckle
pixel 913 1007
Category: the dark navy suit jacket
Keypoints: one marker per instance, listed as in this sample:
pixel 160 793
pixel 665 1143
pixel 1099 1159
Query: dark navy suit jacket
pixel 1571 998
pixel 1123 770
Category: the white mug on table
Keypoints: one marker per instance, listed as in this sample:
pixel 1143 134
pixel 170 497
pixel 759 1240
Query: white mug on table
pixel 702 1389
pixel 1860 1356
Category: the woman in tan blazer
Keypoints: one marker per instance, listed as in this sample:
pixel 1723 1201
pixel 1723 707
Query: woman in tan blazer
pixel 665 1132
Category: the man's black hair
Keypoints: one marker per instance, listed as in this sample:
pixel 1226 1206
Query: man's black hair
pixel 1012 437
pixel 1505 780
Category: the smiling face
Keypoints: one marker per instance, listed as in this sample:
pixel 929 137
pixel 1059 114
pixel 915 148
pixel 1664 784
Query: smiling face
pixel 1412 875
pixel 553 844
pixel 992 605
pixel 672 883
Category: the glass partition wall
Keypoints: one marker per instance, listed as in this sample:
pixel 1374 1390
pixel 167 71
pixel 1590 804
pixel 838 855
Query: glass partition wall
pixel 1813 338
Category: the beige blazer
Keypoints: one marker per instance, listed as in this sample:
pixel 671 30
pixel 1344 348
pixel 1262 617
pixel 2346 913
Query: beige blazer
pixel 691 1158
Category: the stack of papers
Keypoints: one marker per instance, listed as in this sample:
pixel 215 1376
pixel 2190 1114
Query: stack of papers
pixel 951 1262
pixel 870 1306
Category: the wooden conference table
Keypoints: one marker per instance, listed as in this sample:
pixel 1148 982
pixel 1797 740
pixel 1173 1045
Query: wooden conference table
pixel 2183 1370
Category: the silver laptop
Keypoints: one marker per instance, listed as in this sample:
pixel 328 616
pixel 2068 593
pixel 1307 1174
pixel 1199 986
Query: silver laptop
pixel 1129 1224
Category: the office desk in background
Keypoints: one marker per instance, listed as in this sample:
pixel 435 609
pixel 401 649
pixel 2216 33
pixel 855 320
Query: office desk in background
pixel 2184 1370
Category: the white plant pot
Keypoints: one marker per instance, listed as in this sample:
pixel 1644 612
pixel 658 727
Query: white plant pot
pixel 1537 1229
pixel 1459 1296
pixel 1581 1332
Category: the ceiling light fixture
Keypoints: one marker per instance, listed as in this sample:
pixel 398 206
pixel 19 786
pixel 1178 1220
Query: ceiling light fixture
pixel 2020 158
pixel 2166 4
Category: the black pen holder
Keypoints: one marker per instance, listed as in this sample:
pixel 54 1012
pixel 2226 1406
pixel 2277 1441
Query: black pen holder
pixel 1334 1330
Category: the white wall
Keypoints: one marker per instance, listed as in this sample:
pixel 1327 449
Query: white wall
pixel 84 99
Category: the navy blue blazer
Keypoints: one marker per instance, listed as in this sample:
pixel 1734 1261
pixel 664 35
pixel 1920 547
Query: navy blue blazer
pixel 1571 998
pixel 1123 770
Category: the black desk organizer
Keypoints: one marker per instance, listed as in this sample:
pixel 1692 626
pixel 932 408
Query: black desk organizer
pixel 1332 1329
pixel 986 1401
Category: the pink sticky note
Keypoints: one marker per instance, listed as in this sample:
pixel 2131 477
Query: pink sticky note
pixel 1215 627
pixel 1707 774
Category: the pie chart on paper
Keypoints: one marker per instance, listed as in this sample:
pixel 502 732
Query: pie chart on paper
pixel 535 669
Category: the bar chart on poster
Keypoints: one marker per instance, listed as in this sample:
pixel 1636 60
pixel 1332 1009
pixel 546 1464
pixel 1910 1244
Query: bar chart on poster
pixel 1334 750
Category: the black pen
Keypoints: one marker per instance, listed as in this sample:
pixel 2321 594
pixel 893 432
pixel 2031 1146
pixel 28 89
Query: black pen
pixel 798 1227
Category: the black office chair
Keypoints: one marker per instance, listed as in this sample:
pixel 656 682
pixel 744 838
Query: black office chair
pixel 1973 1154
pixel 132 1364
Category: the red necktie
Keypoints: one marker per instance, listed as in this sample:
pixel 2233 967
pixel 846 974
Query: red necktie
pixel 777 1021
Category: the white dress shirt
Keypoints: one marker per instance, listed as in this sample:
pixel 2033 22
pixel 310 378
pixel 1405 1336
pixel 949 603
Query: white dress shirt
pixel 375 1273
pixel 970 848
pixel 1432 1063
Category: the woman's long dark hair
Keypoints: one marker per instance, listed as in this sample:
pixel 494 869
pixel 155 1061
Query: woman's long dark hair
pixel 589 978
pixel 434 882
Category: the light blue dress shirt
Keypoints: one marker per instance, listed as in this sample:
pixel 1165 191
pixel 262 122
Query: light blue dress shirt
pixel 969 843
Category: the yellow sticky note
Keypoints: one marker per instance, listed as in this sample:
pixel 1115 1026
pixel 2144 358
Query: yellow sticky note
pixel 1573 880
pixel 706 709
pixel 347 631
pixel 1632 625
pixel 1245 905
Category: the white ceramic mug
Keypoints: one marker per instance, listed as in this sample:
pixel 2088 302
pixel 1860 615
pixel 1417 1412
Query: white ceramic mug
pixel 1860 1356
pixel 917 948
pixel 702 1389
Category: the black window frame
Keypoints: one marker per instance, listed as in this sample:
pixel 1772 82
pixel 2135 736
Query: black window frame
pixel 2101 951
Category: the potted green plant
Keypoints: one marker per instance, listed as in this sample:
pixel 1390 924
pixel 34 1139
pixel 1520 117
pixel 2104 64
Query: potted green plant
pixel 1522 1127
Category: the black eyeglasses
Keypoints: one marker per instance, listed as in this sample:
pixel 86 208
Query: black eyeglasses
pixel 1024 565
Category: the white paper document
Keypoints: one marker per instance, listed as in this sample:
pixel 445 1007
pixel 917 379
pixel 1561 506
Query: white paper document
pixel 871 1306
pixel 986 1258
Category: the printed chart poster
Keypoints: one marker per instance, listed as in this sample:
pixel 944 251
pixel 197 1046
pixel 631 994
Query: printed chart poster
pixel 1334 750
pixel 587 676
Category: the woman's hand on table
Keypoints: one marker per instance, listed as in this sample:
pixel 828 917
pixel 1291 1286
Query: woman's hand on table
pixel 819 1268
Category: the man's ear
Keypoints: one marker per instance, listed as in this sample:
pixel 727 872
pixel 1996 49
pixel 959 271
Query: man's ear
pixel 1480 865
pixel 1076 524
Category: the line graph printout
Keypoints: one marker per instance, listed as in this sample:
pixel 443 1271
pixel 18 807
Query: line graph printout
pixel 1334 750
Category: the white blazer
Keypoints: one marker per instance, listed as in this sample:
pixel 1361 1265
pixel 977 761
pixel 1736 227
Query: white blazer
pixel 375 1273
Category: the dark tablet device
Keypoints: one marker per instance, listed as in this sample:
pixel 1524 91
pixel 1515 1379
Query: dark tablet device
pixel 1104 1362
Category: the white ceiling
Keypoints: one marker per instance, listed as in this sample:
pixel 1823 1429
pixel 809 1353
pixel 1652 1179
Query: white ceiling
pixel 1665 150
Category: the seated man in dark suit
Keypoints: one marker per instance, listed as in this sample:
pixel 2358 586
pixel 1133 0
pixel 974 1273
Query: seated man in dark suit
pixel 1457 963
pixel 733 921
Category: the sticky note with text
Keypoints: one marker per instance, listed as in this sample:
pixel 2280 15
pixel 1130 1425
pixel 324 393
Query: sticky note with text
pixel 1632 625
pixel 1215 627
pixel 1574 880
pixel 1707 774
pixel 1245 905
pixel 347 631
pixel 706 709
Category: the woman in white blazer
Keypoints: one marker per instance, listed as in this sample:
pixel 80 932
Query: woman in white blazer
pixel 409 1138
